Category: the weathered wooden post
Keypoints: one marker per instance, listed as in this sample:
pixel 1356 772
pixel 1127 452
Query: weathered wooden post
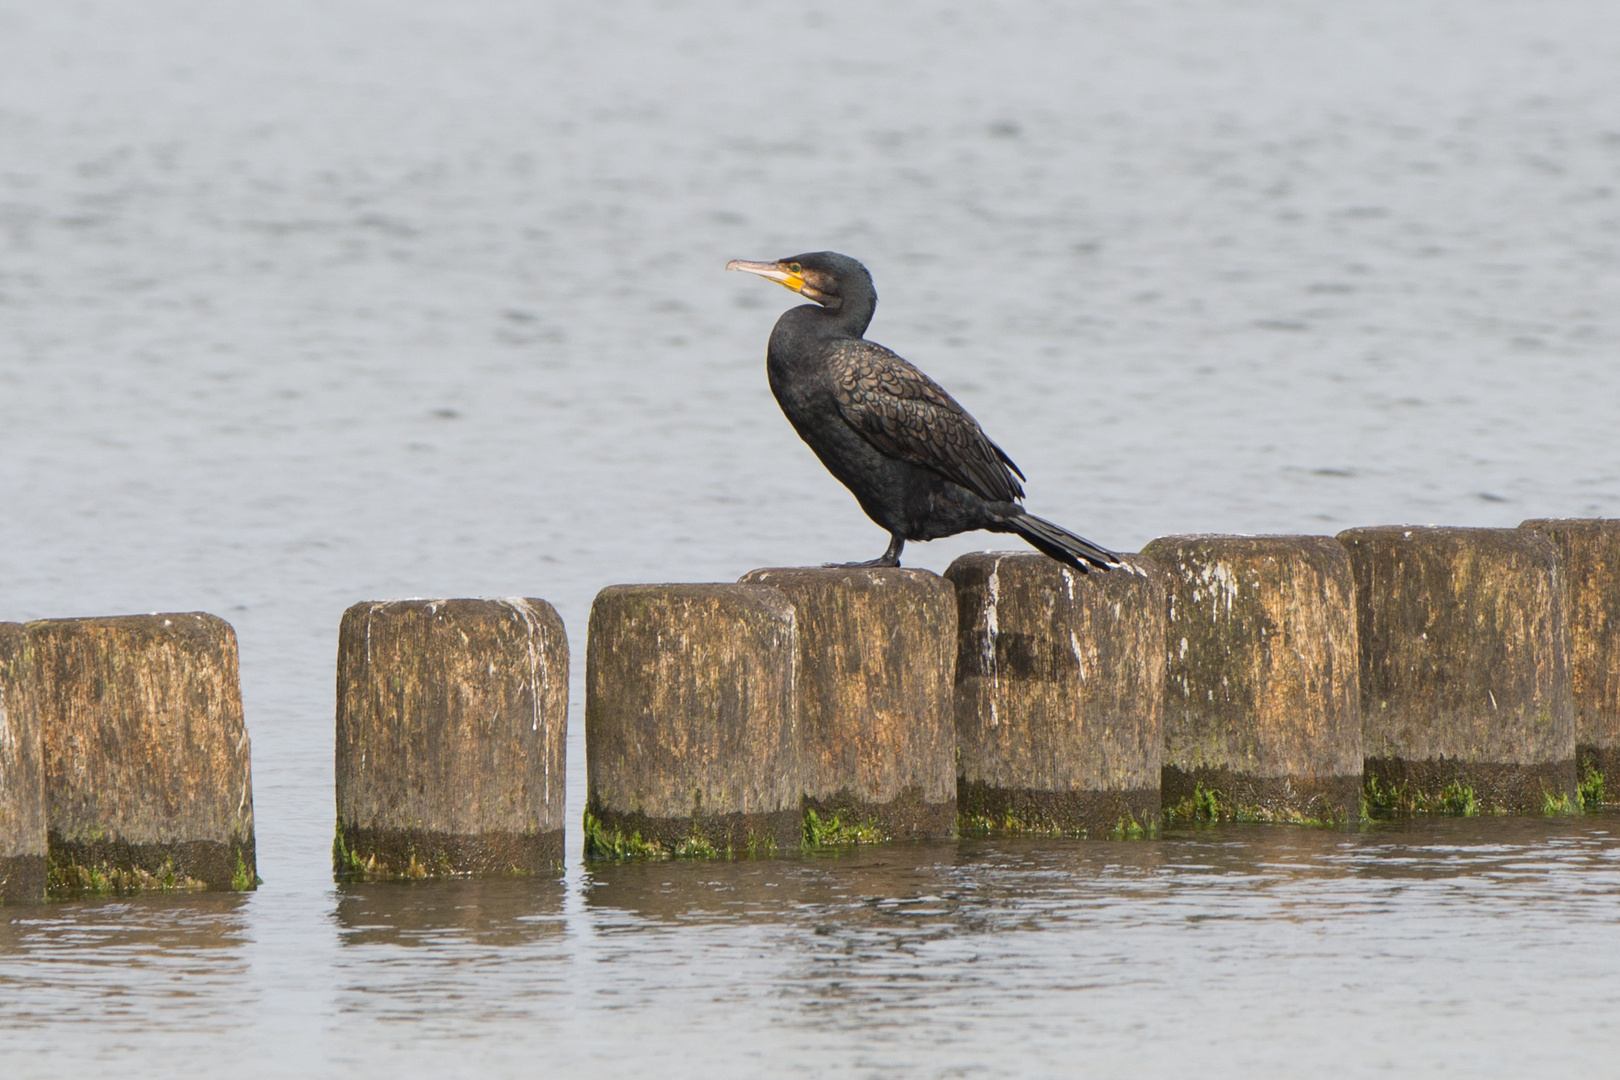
pixel 690 705
pixel 22 773
pixel 1466 700
pixel 877 741
pixel 1261 715
pixel 147 778
pixel 1059 695
pixel 1590 552
pixel 452 723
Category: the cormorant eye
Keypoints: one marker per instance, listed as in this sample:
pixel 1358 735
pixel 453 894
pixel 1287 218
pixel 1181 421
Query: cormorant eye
pixel 796 268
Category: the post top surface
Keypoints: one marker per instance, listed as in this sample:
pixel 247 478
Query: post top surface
pixel 867 576
pixel 157 622
pixel 1450 538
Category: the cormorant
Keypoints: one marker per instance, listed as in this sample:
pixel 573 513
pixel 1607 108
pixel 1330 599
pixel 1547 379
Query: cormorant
pixel 918 464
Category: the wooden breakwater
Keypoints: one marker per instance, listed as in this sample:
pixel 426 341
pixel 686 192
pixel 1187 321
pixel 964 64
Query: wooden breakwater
pixel 1283 678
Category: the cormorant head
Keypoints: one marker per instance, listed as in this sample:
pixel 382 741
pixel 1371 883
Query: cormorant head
pixel 826 277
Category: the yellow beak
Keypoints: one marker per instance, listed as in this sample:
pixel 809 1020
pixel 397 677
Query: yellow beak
pixel 772 271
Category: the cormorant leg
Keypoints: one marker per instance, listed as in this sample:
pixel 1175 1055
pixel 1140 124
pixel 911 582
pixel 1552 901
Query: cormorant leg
pixel 891 557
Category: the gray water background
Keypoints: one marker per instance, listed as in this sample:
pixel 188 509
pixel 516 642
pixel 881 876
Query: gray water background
pixel 308 303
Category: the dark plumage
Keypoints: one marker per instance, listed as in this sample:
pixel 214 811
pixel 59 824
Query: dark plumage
pixel 919 465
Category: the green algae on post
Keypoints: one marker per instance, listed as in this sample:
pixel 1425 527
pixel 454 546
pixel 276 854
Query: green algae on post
pixel 1592 791
pixel 1211 806
pixel 1384 798
pixel 840 829
pixel 606 842
pixel 1560 805
pixel 126 877
pixel 1030 818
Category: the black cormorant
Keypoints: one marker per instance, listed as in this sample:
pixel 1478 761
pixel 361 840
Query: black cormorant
pixel 919 465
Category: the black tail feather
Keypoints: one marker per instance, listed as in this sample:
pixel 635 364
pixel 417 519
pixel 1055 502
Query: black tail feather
pixel 1061 544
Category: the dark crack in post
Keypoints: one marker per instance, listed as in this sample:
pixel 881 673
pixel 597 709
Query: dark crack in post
pixel 1059 697
pixel 452 725
pixel 1262 715
pixel 147 776
pixel 690 736
pixel 877 739
pixel 1466 700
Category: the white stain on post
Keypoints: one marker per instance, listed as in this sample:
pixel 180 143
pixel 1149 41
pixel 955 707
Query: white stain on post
pixel 992 627
pixel 539 678
pixel 1221 582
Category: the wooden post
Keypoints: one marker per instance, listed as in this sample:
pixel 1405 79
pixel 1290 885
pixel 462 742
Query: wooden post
pixel 1466 699
pixel 690 705
pixel 22 773
pixel 877 739
pixel 1262 714
pixel 1059 695
pixel 452 729
pixel 147 777
pixel 1590 552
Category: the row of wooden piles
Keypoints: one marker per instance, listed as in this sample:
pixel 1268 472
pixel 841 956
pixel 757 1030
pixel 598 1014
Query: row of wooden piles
pixel 1275 678
pixel 1284 678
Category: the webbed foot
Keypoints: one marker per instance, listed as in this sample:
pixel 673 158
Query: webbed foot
pixel 890 558
pixel 881 560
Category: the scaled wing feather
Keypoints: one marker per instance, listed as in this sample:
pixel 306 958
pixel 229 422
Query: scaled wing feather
pixel 907 415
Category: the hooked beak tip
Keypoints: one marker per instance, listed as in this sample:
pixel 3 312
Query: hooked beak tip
pixel 769 271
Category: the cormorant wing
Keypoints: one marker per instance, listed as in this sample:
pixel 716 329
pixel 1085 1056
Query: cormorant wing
pixel 907 415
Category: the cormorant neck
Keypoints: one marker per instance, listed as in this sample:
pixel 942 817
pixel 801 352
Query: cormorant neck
pixel 853 314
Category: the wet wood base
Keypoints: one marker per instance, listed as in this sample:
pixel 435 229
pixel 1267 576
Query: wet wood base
pixel 22 879
pixel 1206 794
pixel 1029 812
pixel 1454 786
pixel 843 818
pixel 372 854
pixel 611 834
pixel 119 866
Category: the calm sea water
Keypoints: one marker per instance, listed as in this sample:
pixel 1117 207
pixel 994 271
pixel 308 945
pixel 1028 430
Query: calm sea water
pixel 308 303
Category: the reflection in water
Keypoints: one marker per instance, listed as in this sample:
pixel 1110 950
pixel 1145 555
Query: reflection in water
pixel 498 912
pixel 121 964
pixel 1255 945
pixel 453 959
pixel 1236 930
